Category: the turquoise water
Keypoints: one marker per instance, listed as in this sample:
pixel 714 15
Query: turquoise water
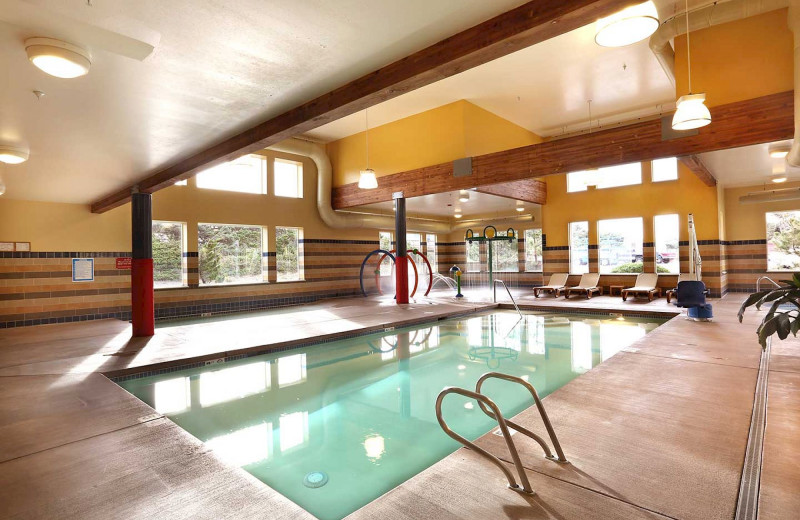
pixel 361 411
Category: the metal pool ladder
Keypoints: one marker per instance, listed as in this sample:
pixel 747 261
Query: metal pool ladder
pixel 758 282
pixel 494 295
pixel 491 409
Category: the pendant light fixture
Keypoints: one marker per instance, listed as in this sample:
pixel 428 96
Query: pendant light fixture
pixel 691 112
pixel 367 179
pixel 632 24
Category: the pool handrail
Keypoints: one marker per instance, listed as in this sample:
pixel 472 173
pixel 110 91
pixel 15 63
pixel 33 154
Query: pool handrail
pixel 758 282
pixel 494 294
pixel 521 429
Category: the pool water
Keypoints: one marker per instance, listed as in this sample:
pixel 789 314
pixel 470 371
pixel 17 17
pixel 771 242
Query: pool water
pixel 336 425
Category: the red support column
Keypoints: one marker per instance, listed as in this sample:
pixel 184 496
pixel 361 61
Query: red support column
pixel 142 306
pixel 401 263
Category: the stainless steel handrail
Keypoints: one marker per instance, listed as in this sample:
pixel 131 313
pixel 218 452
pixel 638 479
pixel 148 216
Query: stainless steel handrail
pixel 758 282
pixel 494 294
pixel 483 400
pixel 539 406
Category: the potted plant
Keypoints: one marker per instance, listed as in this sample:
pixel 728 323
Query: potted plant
pixel 784 311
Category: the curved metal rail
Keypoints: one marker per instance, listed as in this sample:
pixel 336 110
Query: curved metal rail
pixel 758 282
pixel 521 429
pixel 494 294
pixel 483 400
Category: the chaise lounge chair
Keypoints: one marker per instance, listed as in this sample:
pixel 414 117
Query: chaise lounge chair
pixel 558 282
pixel 587 286
pixel 646 285
pixel 684 277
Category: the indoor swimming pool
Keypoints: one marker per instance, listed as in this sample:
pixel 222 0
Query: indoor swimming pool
pixel 335 425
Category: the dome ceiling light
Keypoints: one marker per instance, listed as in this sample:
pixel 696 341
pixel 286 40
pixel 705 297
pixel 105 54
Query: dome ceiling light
pixel 58 58
pixel 691 112
pixel 463 196
pixel 13 154
pixel 632 24
pixel 779 150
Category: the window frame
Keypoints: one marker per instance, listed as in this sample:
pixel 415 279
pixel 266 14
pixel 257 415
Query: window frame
pixel 572 249
pixel 677 258
pixel 183 261
pixel 300 256
pixel 653 170
pixel 263 176
pixel 299 166
pixel 263 264
pixel 599 172
pixel 495 245
pixel 766 229
pixel 541 250
pixel 600 246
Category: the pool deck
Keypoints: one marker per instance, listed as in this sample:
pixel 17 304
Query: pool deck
pixel 657 431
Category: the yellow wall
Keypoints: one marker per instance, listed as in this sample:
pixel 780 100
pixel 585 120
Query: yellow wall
pixel 739 60
pixel 684 196
pixel 748 221
pixel 443 134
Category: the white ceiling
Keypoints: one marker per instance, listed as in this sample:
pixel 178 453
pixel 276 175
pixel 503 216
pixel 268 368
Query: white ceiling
pixel 217 69
pixel 445 204
pixel 543 88
pixel 747 166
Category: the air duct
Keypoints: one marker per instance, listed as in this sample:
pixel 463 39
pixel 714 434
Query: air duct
pixel 793 158
pixel 353 220
pixel 770 196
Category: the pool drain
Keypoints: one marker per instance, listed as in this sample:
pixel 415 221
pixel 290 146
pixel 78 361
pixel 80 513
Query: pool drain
pixel 315 479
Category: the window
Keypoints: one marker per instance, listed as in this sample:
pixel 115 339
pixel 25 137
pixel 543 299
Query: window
pixel 667 228
pixel 473 257
pixel 168 247
pixel 230 254
pixel 783 241
pixel 533 250
pixel 413 241
pixel 385 243
pixel 289 253
pixel 247 174
pixel 620 242
pixel 184 182
pixel 579 247
pixel 288 178
pixel 430 241
pixel 505 255
pixel 610 177
pixel 664 169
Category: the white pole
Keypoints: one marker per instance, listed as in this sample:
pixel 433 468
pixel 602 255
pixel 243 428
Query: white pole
pixel 695 262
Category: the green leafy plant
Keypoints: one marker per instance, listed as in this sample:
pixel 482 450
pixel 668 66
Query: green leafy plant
pixel 777 321
pixel 635 268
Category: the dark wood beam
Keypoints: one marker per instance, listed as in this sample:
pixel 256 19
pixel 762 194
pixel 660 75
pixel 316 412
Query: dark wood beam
pixel 753 121
pixel 697 167
pixel 527 190
pixel 531 23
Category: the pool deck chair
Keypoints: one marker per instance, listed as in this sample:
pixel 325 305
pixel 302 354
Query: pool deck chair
pixel 646 285
pixel 587 286
pixel 684 277
pixel 558 282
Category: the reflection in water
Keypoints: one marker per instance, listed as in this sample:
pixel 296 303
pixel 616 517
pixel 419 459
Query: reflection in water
pixel 614 336
pixel 581 334
pixel 233 383
pixel 294 430
pixel 291 370
pixel 172 395
pixel 374 446
pixel 245 446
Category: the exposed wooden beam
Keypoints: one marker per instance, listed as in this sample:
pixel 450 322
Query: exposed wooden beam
pixel 754 121
pixel 527 190
pixel 697 167
pixel 531 23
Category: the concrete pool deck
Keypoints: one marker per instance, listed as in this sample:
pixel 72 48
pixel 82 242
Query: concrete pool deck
pixel 657 431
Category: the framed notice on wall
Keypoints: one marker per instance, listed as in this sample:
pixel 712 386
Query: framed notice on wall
pixel 14 246
pixel 83 269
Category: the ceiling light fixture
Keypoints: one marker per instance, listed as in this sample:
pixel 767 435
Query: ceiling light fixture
pixel 457 214
pixel 779 150
pixel 778 179
pixel 463 196
pixel 366 178
pixel 691 111
pixel 58 58
pixel 13 154
pixel 520 209
pixel 2 187
pixel 632 24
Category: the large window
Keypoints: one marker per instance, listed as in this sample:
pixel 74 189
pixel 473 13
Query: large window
pixel 579 247
pixel 783 241
pixel 230 254
pixel 505 255
pixel 610 177
pixel 289 253
pixel 533 250
pixel 247 174
pixel 168 247
pixel 288 178
pixel 414 241
pixel 430 241
pixel 667 228
pixel 473 257
pixel 385 243
pixel 664 169
pixel 620 242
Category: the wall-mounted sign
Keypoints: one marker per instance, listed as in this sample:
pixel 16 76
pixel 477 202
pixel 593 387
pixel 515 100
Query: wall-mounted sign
pixel 6 246
pixel 124 262
pixel 83 269
pixel 14 246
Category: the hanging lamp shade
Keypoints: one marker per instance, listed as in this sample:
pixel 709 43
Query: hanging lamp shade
pixel 631 25
pixel 367 179
pixel 691 113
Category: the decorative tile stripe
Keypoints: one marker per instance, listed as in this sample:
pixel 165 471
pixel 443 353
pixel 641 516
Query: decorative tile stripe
pixel 333 241
pixel 191 254
pixel 268 254
pixel 62 254
pixel 555 248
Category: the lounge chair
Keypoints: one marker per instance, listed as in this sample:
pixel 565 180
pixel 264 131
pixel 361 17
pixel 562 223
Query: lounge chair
pixel 587 286
pixel 684 277
pixel 558 282
pixel 646 285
